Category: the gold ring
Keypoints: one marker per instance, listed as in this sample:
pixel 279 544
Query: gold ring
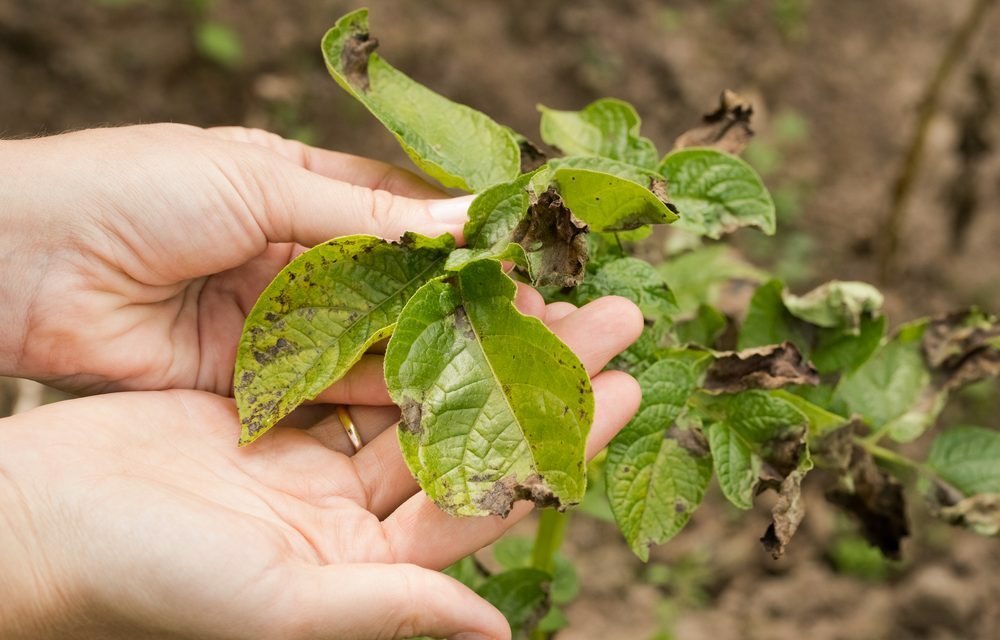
pixel 349 428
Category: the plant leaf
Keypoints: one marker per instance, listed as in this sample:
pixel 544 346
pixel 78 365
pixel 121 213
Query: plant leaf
pixel 521 595
pixel 704 328
pixel 968 458
pixel 319 315
pixel 607 202
pixel 512 552
pixel 753 433
pixel 727 128
pixel 607 127
pixel 697 277
pixel 631 278
pixel 658 466
pixel 495 408
pixel 456 145
pixel 963 347
pixel 768 367
pixel 835 304
pixel 716 193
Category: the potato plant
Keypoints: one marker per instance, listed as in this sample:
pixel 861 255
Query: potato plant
pixel 496 409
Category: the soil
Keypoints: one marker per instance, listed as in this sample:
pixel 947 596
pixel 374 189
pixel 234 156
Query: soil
pixel 835 87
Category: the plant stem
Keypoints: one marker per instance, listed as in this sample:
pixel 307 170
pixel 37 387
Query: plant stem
pixel 548 540
pixel 621 247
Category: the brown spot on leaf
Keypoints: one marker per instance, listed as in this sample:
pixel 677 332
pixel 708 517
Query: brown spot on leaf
pixel 531 156
pixel 500 498
pixel 688 438
pixel 412 413
pixel 876 499
pixel 962 348
pixel 833 450
pixel 462 323
pixel 552 230
pixel 354 59
pixel 727 128
pixel 980 512
pixel 659 188
pixel 768 367
pixel 786 516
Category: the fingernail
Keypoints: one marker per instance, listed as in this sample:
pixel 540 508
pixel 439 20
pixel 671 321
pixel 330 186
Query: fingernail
pixel 452 210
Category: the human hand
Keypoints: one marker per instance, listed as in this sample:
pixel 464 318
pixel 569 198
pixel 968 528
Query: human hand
pixel 133 255
pixel 134 516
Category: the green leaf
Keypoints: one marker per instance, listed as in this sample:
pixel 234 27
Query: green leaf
pixel 840 350
pixel 630 172
pixel 821 421
pixel 631 278
pixel 495 408
pixel 658 466
pixel 522 597
pixel 609 203
pixel 696 277
pixel 319 315
pixel 704 328
pixel 467 571
pixel 892 390
pixel 968 458
pixel 513 552
pixel 769 322
pixel 607 127
pixel 749 429
pixel 456 145
pixel 716 192
pixel 220 44
pixel 836 304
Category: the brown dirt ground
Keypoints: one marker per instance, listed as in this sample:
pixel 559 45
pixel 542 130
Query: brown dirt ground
pixel 852 71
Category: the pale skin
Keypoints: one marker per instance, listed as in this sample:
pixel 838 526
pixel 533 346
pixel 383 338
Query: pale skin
pixel 131 258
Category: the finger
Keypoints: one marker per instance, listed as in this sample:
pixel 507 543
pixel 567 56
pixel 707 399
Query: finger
pixel 292 204
pixel 418 520
pixel 383 601
pixel 364 383
pixel 380 464
pixel 528 301
pixel 363 172
pixel 558 311
pixel 600 330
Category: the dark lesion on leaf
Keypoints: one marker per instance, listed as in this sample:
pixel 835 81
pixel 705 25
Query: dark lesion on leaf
pixel 412 413
pixel 560 238
pixel 727 128
pixel 875 498
pixel 659 188
pixel 962 347
pixel 786 516
pixel 500 498
pixel 354 59
pixel 769 367
pixel 531 156
pixel 690 439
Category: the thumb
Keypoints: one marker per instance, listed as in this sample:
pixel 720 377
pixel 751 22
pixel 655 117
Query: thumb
pixel 298 205
pixel 383 601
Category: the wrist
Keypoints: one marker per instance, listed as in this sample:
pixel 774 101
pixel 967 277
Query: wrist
pixel 32 601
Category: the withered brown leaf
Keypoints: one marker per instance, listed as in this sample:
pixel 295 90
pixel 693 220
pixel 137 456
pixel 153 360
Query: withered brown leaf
pixel 769 367
pixel 727 128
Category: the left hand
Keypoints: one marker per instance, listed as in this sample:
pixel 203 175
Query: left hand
pixel 132 255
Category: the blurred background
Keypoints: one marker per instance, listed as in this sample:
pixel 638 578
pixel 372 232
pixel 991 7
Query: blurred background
pixel 840 92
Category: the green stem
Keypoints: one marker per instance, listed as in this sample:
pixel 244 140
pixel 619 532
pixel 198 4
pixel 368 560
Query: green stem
pixel 621 247
pixel 548 540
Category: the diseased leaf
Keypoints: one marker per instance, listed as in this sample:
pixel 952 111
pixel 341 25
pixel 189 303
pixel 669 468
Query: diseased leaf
pixel 555 241
pixel 319 315
pixel 456 145
pixel 495 408
pixel 607 127
pixel 876 499
pixel 531 156
pixel 631 278
pixel 716 193
pixel 727 128
pixel 836 304
pixel 979 513
pixel 769 367
pixel 963 347
pixel 787 513
pixel 754 436
pixel 839 348
pixel 659 466
pixel 609 203
pixel 521 595
pixel 968 458
pixel 640 176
